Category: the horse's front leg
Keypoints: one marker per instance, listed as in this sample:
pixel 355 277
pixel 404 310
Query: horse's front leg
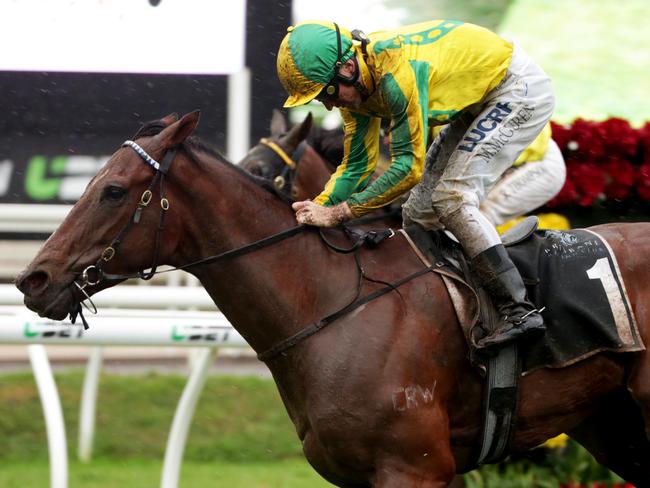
pixel 416 468
pixel 402 476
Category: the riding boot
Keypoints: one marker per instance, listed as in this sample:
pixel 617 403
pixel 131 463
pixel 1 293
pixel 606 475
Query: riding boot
pixel 518 318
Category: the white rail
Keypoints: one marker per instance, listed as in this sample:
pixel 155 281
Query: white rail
pixel 31 217
pixel 143 297
pixel 117 327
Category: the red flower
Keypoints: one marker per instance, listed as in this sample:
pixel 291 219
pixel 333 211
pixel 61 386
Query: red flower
pixel 586 140
pixel 568 195
pixel 560 134
pixel 589 180
pixel 603 161
pixel 643 187
pixel 619 138
pixel 644 142
pixel 621 177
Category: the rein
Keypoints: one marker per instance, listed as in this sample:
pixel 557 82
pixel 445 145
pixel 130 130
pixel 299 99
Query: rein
pixel 312 329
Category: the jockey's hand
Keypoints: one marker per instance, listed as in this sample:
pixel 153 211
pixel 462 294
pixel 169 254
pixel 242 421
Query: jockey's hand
pixel 308 212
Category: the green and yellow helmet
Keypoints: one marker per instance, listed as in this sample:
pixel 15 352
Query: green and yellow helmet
pixel 308 56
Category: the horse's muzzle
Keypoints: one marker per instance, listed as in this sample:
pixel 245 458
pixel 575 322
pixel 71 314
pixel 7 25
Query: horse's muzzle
pixel 42 295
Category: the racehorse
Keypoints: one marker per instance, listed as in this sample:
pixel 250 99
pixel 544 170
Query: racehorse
pixel 382 394
pixel 299 160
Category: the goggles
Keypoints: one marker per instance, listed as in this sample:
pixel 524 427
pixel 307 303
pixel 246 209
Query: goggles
pixel 329 93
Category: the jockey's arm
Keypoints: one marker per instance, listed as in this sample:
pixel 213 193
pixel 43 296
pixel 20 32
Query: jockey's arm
pixel 407 142
pixel 360 152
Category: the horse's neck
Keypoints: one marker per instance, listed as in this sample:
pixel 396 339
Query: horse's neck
pixel 261 292
pixel 312 174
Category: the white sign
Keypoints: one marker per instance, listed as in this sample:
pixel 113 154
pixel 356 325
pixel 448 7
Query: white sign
pixel 123 36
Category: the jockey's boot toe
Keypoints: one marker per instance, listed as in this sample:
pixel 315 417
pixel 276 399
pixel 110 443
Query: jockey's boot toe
pixel 530 327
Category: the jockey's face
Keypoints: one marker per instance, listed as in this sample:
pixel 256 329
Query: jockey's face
pixel 349 97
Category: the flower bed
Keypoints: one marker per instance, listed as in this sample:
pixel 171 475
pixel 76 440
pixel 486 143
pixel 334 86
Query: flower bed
pixel 608 171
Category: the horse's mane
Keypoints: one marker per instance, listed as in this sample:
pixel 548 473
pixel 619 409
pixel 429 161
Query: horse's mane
pixel 194 144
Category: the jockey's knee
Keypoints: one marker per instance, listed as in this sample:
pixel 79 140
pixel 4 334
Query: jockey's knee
pixel 448 203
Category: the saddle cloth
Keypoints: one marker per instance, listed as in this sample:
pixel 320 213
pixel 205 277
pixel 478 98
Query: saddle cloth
pixel 573 274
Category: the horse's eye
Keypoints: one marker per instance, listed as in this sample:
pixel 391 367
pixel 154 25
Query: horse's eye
pixel 113 193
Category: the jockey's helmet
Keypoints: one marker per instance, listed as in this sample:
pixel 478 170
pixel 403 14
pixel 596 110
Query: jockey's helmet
pixel 309 58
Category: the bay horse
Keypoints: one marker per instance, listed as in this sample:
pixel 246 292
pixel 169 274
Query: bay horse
pixel 383 396
pixel 298 161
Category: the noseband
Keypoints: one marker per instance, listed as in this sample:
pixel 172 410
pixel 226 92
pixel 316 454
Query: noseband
pixel 288 173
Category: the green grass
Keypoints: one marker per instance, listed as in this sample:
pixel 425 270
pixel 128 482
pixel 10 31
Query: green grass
pixel 145 474
pixel 596 51
pixel 237 419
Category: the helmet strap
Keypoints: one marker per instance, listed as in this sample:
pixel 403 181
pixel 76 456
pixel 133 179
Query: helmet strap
pixel 332 88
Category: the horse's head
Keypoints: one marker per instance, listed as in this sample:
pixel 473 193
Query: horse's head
pixel 119 226
pixel 276 158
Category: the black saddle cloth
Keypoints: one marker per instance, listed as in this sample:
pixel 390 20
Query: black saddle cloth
pixel 574 275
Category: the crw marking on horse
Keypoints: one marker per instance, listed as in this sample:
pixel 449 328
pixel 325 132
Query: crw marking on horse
pixel 338 385
pixel 413 396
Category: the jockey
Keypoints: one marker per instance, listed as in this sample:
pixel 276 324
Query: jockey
pixel 494 99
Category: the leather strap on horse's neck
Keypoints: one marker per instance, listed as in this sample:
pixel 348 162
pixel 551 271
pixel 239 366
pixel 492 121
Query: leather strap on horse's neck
pixel 312 329
pixel 232 253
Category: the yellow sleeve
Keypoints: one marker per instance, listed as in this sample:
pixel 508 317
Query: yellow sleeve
pixel 360 152
pixel 405 93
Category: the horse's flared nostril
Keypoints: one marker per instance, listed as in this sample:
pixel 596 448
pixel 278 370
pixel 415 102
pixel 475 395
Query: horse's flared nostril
pixel 32 283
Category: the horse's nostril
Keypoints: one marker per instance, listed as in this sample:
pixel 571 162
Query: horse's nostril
pixel 33 282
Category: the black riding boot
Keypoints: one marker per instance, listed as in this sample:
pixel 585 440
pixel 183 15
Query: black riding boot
pixel 518 318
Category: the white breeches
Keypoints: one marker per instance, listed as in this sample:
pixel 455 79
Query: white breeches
pixel 472 153
pixel 524 188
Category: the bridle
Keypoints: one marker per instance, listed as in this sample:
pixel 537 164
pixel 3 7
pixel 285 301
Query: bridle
pixel 283 181
pixel 94 274
pixel 109 252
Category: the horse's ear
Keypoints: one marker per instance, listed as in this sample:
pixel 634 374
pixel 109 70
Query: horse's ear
pixel 299 133
pixel 180 130
pixel 170 119
pixel 278 123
